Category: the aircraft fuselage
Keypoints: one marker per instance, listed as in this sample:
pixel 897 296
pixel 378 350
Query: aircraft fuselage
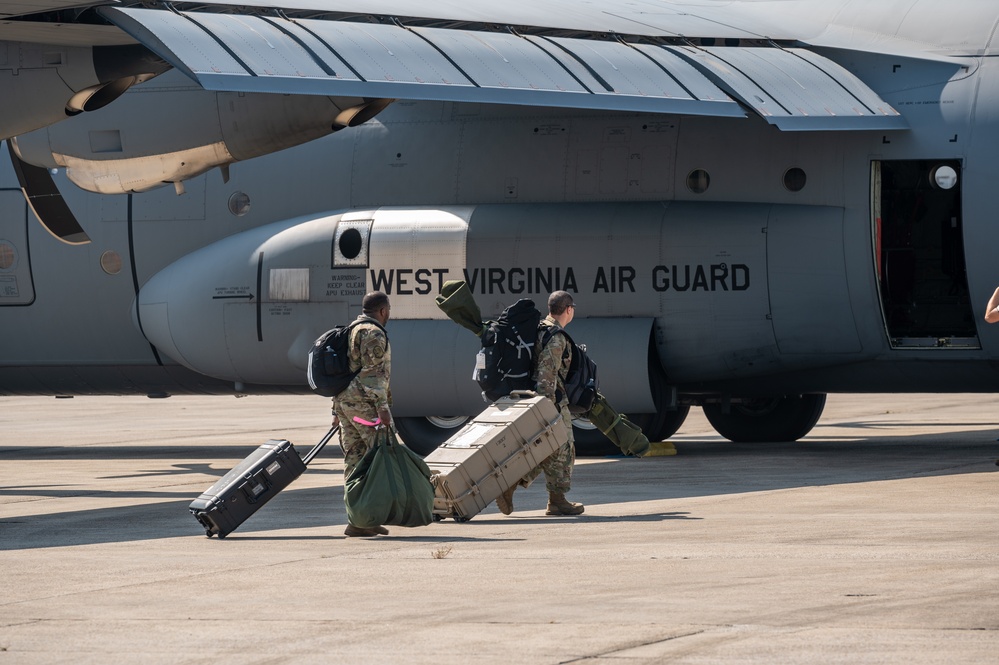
pixel 746 260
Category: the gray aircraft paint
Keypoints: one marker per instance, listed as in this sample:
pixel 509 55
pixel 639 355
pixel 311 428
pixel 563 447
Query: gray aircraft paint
pixel 783 292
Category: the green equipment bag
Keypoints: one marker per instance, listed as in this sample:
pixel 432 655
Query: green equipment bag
pixel 390 486
pixel 623 433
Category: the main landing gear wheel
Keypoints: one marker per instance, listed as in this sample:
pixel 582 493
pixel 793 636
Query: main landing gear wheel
pixel 657 426
pixel 589 441
pixel 423 435
pixel 784 418
pixel 662 425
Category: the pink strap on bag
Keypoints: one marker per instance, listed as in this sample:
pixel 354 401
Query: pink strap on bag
pixel 362 421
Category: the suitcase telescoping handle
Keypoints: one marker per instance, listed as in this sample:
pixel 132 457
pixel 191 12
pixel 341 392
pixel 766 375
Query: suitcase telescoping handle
pixel 319 446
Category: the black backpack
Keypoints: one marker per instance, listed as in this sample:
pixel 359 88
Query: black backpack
pixel 581 378
pixel 504 362
pixel 329 361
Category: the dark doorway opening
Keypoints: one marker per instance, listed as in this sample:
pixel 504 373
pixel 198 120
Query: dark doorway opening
pixel 920 254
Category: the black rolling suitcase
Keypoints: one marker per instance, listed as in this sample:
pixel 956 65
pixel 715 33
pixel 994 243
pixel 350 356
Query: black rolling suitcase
pixel 251 483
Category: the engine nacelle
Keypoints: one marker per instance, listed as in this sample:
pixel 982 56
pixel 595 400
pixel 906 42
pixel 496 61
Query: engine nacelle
pixel 141 143
pixel 687 280
pixel 45 84
pixel 248 308
pixel 717 291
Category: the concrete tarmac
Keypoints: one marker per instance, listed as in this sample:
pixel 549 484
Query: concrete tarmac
pixel 873 540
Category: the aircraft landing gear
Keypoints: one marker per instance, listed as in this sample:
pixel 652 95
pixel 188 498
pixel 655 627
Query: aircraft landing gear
pixel 663 424
pixel 590 442
pixel 657 426
pixel 783 418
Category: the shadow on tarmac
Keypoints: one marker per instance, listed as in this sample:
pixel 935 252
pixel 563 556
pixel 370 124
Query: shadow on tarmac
pixel 584 518
pixel 394 531
pixel 701 468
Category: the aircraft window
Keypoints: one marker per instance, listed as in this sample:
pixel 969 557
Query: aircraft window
pixel 111 262
pixel 944 177
pixel 350 243
pixel 698 181
pixel 6 256
pixel 794 179
pixel 239 204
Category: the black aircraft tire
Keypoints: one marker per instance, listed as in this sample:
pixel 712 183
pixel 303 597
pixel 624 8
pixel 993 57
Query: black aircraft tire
pixel 423 435
pixel 589 441
pixel 657 426
pixel 784 418
pixel 664 423
pixel 661 426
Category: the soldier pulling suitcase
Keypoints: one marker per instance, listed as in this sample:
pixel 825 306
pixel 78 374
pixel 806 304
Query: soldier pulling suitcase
pixel 550 367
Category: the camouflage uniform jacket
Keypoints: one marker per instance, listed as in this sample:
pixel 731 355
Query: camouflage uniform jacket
pixel 552 363
pixel 369 351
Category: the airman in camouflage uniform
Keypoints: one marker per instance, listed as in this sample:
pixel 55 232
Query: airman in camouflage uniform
pixel 368 396
pixel 550 369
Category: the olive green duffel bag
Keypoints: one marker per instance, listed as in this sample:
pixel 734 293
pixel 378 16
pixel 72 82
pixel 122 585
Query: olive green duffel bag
pixel 389 486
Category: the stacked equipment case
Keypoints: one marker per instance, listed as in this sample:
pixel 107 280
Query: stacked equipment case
pixel 493 452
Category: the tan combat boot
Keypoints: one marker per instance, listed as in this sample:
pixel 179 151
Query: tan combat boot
pixel 559 505
pixel 505 501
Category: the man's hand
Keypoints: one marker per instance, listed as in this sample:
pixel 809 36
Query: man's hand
pixel 992 309
pixel 384 414
pixel 336 421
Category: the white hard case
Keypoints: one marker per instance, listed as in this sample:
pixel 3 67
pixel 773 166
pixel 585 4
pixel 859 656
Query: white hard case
pixel 492 452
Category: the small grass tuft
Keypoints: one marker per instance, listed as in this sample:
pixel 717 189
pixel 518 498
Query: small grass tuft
pixel 441 552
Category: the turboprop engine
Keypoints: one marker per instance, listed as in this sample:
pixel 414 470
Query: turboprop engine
pixel 52 83
pixel 45 83
pixel 146 144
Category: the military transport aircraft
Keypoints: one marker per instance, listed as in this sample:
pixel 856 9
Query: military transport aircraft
pixel 755 202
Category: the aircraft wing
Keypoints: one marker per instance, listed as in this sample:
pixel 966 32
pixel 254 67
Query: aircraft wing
pixel 651 18
pixel 9 8
pixel 792 88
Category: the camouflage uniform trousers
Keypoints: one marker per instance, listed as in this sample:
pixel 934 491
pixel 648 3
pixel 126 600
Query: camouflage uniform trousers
pixel 558 467
pixel 355 439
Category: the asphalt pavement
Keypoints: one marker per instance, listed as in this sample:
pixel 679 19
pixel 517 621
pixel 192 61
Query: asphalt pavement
pixel 872 540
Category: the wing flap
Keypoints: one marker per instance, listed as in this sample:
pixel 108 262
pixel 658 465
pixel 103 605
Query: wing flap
pixel 340 58
pixel 177 40
pixel 387 54
pixel 503 60
pixel 795 89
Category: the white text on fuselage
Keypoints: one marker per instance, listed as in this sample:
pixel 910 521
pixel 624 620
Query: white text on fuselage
pixel 609 279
